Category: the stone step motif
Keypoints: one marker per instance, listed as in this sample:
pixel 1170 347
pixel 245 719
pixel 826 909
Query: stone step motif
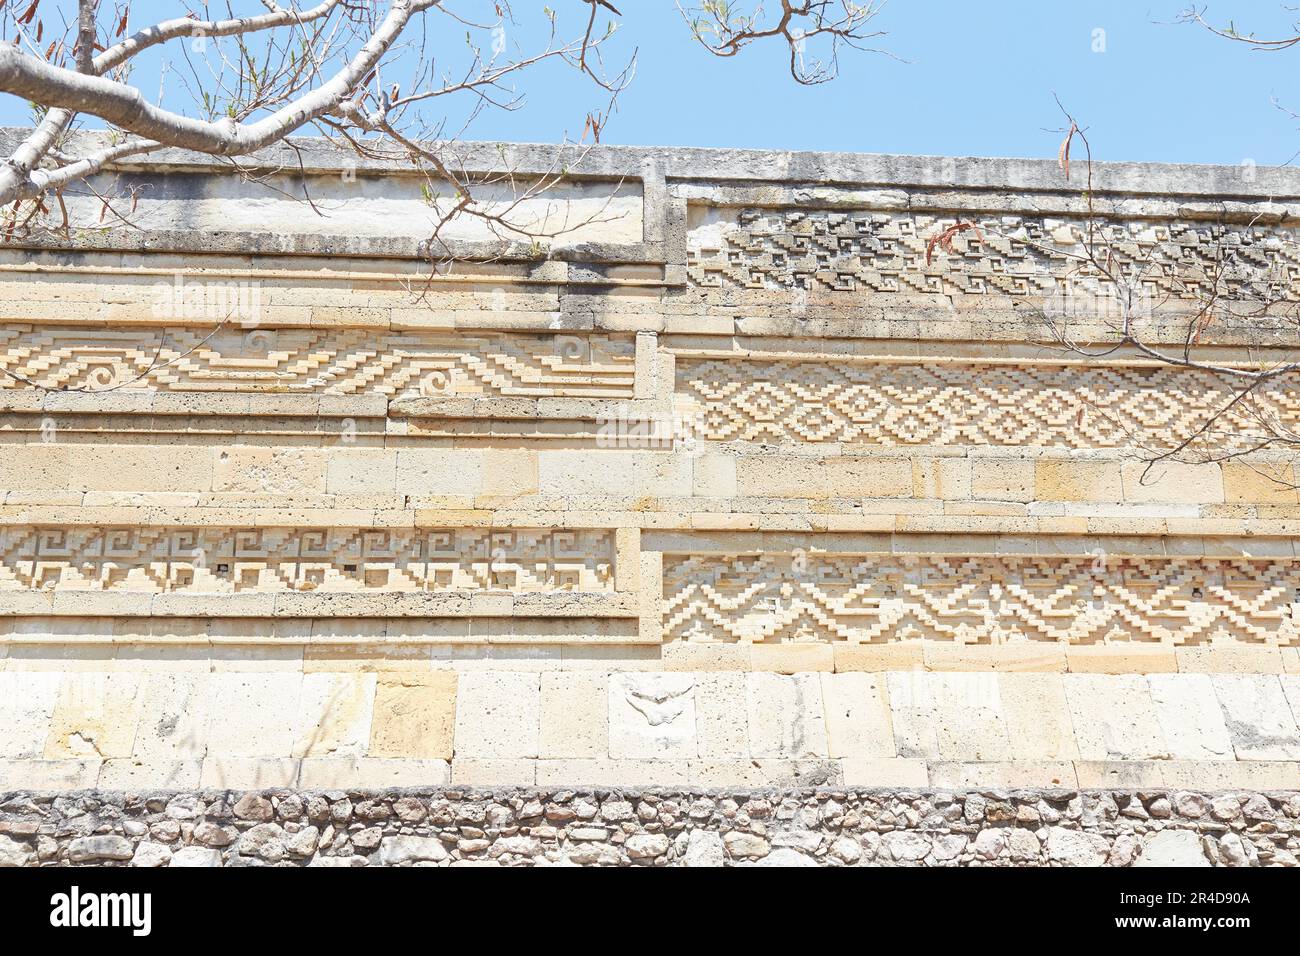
pixel 980 599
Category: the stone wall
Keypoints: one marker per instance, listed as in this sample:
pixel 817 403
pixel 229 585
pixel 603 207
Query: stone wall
pixel 736 486
pixel 787 827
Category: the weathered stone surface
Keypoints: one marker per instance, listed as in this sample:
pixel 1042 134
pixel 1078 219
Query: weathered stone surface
pixel 652 716
pixel 1173 848
pixel 87 849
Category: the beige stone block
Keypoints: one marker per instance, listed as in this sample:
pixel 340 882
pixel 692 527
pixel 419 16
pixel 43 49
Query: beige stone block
pixel 258 469
pixel 615 472
pixel 946 479
pixel 1258 483
pixel 414 715
pixel 361 471
pixel 903 655
pixel 722 715
pixel 1114 717
pixel 690 656
pixel 1172 483
pixel 27 701
pixel 509 473
pixel 1291 660
pixel 345 773
pixel 175 709
pixel 28 774
pixel 1036 656
pixel 1077 480
pixel 652 716
pixel 794 476
pixel 1230 659
pixel 1190 717
pixel 885 772
pixel 574 715
pixel 1002 479
pixel 253 714
pixel 791 657
pixel 1120 774
pixel 1259 719
pixel 857 716
pixel 494 773
pixel 765 774
pixel 94 716
pixel 953 775
pixel 440 471
pixel 131 774
pixel 613 773
pixel 249 773
pixel 333 718
pixel 948 716
pixel 1121 658
pixel 786 719
pixel 498 715
pixel 1037 715
pixel 1231 774
pixel 715 476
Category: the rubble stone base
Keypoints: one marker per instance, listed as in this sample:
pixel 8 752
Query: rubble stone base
pixel 523 827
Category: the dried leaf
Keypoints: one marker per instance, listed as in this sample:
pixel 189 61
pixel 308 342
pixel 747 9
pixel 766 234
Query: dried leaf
pixel 1063 155
pixel 121 24
pixel 30 12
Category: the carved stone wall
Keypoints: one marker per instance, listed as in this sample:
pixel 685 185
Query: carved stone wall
pixel 757 486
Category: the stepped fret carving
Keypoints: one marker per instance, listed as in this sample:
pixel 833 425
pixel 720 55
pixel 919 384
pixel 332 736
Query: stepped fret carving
pixel 960 404
pixel 324 361
pixel 223 560
pixel 980 600
pixel 1019 256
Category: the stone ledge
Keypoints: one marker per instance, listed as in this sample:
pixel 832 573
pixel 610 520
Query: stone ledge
pixel 614 826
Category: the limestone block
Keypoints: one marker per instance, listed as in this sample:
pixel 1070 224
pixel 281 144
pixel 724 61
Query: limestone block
pixel 948 716
pixel 29 774
pixel 722 715
pixel 1190 716
pixel 1230 659
pixel 1259 720
pixel 259 469
pixel 1121 658
pixel 792 657
pixel 1231 774
pixel 765 774
pixel 652 716
pixel 942 478
pixel 1114 717
pixel 361 470
pixel 414 714
pixel 789 476
pixel 333 716
pixel 1002 479
pixel 330 773
pixel 253 714
pixel 956 775
pixel 94 717
pixel 898 656
pixel 574 715
pixel 1258 482
pixel 613 773
pixel 1172 848
pixel 1077 480
pixel 174 714
pixel 498 714
pixel 440 471
pixel 493 773
pixel 132 774
pixel 887 772
pixel 857 716
pixel 1037 715
pixel 1120 774
pixel 27 700
pixel 1172 482
pixel 249 773
pixel 615 472
pixel 785 716
pixel 509 473
pixel 715 476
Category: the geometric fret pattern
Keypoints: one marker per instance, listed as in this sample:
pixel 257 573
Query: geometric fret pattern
pixel 1010 255
pixel 321 361
pixel 961 404
pixel 224 560
pixel 979 600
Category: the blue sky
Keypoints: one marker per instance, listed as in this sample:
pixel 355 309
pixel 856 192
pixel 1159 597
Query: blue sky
pixel 970 79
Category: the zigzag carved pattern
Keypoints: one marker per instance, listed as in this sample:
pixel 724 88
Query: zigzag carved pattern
pixel 885 252
pixel 328 361
pixel 979 600
pixel 960 404
pixel 223 560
